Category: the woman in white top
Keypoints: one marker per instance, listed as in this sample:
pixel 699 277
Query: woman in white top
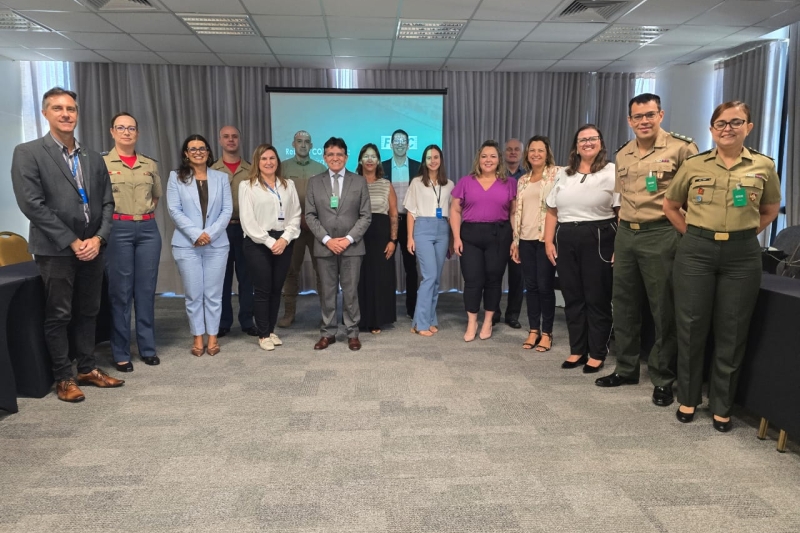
pixel 528 246
pixel 428 205
pixel 580 227
pixel 269 212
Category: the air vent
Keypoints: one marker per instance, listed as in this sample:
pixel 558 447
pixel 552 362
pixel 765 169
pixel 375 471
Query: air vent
pixel 11 21
pixel 218 24
pixel 122 5
pixel 591 10
pixel 430 29
pixel 630 34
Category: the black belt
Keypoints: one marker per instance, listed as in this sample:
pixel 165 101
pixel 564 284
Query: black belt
pixel 721 235
pixel 589 222
pixel 275 234
pixel 643 226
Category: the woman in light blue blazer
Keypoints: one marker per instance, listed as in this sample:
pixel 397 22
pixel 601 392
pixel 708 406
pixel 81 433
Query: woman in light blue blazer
pixel 200 204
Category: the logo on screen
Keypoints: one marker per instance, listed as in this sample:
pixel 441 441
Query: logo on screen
pixel 386 142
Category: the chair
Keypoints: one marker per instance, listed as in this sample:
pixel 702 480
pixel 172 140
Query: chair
pixel 13 249
pixel 788 240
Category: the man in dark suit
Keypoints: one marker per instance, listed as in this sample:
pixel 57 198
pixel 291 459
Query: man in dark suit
pixel 65 192
pixel 338 213
pixel 400 170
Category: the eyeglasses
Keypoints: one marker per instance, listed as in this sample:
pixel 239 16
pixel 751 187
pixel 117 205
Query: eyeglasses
pixel 640 116
pixel 587 140
pixel 200 150
pixel 122 129
pixel 735 124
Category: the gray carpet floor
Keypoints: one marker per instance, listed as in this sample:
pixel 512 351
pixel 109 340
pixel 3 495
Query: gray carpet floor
pixel 410 434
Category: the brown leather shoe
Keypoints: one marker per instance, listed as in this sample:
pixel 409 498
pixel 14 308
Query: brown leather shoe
pixel 68 391
pixel 98 378
pixel 324 342
pixel 354 344
pixel 213 350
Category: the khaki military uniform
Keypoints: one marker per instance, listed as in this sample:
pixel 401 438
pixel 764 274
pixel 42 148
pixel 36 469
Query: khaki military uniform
pixel 717 271
pixel 236 260
pixel 133 253
pixel 644 250
pixel 299 173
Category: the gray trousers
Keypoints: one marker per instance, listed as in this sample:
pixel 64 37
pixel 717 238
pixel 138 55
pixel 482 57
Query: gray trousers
pixel 332 271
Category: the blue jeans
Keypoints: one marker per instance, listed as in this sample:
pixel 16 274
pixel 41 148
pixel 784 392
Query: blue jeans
pixel 132 257
pixel 237 263
pixel 431 238
pixel 202 269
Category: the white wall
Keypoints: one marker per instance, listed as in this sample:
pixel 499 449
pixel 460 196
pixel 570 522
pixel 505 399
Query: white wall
pixel 11 219
pixel 687 97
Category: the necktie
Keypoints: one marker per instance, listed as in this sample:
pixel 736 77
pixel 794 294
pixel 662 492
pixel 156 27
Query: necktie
pixel 338 184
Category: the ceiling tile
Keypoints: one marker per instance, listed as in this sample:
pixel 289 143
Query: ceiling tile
pixel 542 50
pixel 671 12
pixel 516 10
pixel 524 65
pixel 472 64
pixel 70 21
pixel 782 19
pixel 48 5
pixel 307 61
pixel 161 23
pixel 231 7
pixel 361 47
pixel 132 57
pixel 249 60
pixel 35 39
pixel 360 8
pixel 79 56
pixel 441 9
pixel 743 36
pixel 21 54
pixel 482 49
pixel 422 49
pixel 660 53
pixel 231 44
pixel 566 65
pixel 361 28
pixel 171 43
pixel 566 32
pixel 706 53
pixel 699 35
pixel 740 13
pixel 287 26
pixel 362 63
pixel 417 63
pixel 628 66
pixel 484 30
pixel 106 41
pixel 301 47
pixel 295 7
pixel 186 58
pixel 593 51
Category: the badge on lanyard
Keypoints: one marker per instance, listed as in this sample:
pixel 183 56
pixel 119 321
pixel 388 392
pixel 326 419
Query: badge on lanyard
pixel 334 202
pixel 739 196
pixel 650 182
pixel 439 212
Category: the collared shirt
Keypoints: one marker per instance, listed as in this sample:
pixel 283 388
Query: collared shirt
pixel 74 163
pixel 662 160
pixel 260 210
pixel 518 174
pixel 135 187
pixel 584 197
pixel 400 179
pixel 234 179
pixel 336 190
pixel 299 172
pixel 422 201
pixel 706 186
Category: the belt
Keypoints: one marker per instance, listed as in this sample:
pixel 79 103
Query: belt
pixel 146 216
pixel 643 226
pixel 233 221
pixel 589 222
pixel 722 236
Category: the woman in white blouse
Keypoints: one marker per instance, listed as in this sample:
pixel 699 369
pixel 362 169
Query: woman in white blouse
pixel 428 205
pixel 580 227
pixel 528 246
pixel 269 212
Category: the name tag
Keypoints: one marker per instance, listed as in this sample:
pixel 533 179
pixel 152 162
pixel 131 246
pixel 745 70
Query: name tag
pixel 280 215
pixel 334 202
pixel 650 183
pixel 439 212
pixel 739 197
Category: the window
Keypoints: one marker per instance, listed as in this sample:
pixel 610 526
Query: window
pixel 37 78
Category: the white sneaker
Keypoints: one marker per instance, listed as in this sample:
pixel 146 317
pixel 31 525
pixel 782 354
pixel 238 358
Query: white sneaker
pixel 275 339
pixel 266 344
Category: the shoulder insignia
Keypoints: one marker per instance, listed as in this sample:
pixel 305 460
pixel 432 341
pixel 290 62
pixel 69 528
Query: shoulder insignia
pixel 701 153
pixel 621 147
pixel 153 159
pixel 754 151
pixel 103 154
pixel 681 137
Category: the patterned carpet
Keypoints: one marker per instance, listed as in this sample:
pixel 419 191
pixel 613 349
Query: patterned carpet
pixel 410 434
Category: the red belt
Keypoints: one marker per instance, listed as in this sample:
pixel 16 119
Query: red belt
pixel 147 216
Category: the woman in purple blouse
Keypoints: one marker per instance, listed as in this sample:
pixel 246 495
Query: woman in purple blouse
pixel 480 220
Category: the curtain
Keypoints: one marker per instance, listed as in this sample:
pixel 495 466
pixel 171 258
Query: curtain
pixel 37 78
pixel 791 178
pixel 610 110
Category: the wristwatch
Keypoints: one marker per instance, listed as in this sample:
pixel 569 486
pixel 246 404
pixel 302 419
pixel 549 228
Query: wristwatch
pixel 101 239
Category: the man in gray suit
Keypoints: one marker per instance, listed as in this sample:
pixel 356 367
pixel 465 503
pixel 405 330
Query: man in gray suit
pixel 338 213
pixel 64 190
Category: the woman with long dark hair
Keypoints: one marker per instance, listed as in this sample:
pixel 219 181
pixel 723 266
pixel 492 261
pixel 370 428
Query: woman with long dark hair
pixel 200 204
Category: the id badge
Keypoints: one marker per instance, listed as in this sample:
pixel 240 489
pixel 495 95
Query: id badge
pixel 651 184
pixel 739 197
pixel 84 198
pixel 439 212
pixel 280 215
pixel 334 202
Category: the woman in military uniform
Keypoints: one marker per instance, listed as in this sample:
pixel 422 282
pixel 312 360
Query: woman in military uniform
pixel 134 247
pixel 731 194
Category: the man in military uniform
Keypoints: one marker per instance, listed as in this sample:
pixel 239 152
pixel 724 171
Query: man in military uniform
pixel 237 170
pixel 299 169
pixel 134 246
pixel 644 248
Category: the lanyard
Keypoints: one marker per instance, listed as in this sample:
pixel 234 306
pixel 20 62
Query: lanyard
pixel 438 196
pixel 275 192
pixel 74 165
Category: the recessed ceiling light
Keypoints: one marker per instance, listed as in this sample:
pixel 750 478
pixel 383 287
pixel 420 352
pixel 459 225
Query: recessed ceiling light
pixel 219 24
pixel 122 5
pixel 429 29
pixel 11 21
pixel 630 34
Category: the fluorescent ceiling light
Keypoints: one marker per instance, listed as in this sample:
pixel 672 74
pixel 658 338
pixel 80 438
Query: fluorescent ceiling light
pixel 218 24
pixel 630 34
pixel 11 21
pixel 430 29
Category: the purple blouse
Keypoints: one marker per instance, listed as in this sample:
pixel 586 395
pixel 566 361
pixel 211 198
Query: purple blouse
pixel 478 205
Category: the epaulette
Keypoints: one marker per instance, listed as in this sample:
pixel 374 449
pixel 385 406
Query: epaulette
pixel 701 153
pixel 754 151
pixel 681 137
pixel 103 154
pixel 621 147
pixel 153 159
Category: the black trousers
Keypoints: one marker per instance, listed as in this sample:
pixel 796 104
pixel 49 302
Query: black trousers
pixel 72 288
pixel 586 276
pixel 409 265
pixel 267 272
pixel 516 285
pixel 539 274
pixel 483 261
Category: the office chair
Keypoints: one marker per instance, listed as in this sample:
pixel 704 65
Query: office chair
pixel 13 249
